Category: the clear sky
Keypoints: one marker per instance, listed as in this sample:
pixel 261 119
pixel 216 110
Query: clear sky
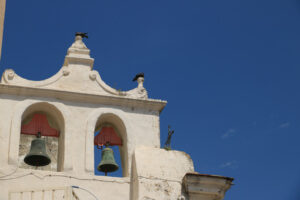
pixel 228 69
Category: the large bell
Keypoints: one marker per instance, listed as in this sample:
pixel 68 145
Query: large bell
pixel 37 155
pixel 108 163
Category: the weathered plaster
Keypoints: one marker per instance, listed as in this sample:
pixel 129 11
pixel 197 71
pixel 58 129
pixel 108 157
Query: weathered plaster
pixel 158 173
pixel 34 180
pixel 206 187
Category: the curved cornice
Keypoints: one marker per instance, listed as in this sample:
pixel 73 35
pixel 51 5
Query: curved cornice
pixel 9 77
pixel 76 75
pixel 150 104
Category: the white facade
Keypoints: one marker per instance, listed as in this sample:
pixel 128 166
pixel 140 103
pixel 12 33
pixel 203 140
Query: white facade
pixel 77 102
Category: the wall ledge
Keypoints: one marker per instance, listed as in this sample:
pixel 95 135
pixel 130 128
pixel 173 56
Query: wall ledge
pixel 205 186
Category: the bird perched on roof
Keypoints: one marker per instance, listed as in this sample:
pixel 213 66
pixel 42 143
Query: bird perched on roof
pixel 83 35
pixel 138 76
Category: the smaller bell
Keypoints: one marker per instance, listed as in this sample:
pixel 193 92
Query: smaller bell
pixel 37 155
pixel 108 163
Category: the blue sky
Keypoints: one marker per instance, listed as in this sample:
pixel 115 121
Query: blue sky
pixel 229 70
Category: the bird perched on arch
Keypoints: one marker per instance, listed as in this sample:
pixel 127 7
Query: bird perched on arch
pixel 138 76
pixel 83 35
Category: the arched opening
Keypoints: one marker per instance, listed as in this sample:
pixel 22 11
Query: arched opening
pixel 120 152
pixel 54 145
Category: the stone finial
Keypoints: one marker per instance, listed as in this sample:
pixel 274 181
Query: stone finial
pixel 140 79
pixel 78 53
pixel 140 91
pixel 78 44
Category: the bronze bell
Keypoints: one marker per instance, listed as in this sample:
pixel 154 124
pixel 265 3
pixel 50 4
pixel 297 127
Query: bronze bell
pixel 108 163
pixel 37 155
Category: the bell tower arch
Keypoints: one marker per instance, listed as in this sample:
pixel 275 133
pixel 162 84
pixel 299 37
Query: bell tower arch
pixel 57 116
pixel 54 120
pixel 115 118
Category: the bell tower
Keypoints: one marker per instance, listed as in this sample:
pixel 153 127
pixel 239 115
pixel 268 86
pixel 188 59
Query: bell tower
pixel 49 130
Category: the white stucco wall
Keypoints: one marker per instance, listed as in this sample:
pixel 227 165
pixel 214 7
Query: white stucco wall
pixel 142 128
pixel 103 187
pixel 158 173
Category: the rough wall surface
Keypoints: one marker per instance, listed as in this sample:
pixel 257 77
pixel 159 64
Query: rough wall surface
pixel 2 13
pixel 159 173
pixel 25 181
pixel 65 193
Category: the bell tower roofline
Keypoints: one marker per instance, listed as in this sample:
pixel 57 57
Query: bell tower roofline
pixel 77 76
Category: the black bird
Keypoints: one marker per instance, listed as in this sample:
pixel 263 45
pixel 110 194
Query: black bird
pixel 138 76
pixel 83 35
